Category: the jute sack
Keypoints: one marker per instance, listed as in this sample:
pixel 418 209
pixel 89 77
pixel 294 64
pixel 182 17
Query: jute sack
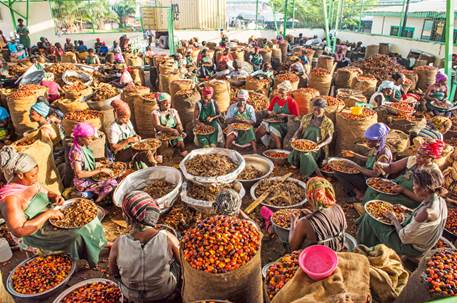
pixel 293 78
pixel 303 96
pixel 165 80
pixel 107 119
pixel 417 289
pixel 406 125
pixel 185 101
pixel 334 105
pixel 42 154
pixel 426 76
pixel 19 104
pixel 371 51
pixel 276 54
pixel 411 75
pixel 283 47
pixel 221 93
pixel 243 285
pixel 68 123
pixel 350 97
pixel 137 75
pixel 325 62
pixel 238 54
pixel 78 95
pixel 128 95
pixel 166 68
pixel 321 80
pixel 144 106
pixel 67 105
pixel 345 77
pixel 266 55
pixel 366 85
pixel 398 141
pixel 69 57
pixel 310 54
pixel 349 130
pixel 177 85
pixel 260 86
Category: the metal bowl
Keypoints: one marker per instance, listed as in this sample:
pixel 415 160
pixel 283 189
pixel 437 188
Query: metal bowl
pixel 275 160
pixel 261 163
pixel 281 232
pixel 42 295
pixel 296 205
pixel 83 283
pixel 350 242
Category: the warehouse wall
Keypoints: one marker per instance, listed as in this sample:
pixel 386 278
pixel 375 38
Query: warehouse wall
pixel 381 25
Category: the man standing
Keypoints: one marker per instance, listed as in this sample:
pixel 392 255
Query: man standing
pixel 23 33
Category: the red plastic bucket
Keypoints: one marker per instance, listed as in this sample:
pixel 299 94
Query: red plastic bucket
pixel 318 261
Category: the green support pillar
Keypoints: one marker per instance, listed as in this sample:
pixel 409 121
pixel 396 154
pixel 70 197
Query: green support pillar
pixel 449 41
pixel 256 13
pixel 361 13
pixel 330 14
pixel 293 14
pixel 286 2
pixel 401 18
pixel 171 33
pixel 337 23
pixel 327 37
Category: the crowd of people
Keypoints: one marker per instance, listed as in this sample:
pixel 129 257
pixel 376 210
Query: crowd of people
pixel 146 261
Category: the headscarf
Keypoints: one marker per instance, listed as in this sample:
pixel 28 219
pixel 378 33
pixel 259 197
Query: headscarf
pixel 285 85
pixel 319 102
pixel 139 207
pixel 82 130
pixel 48 77
pixel 162 97
pixel 120 107
pixel 378 132
pixel 386 84
pixel 243 95
pixel 320 193
pixel 440 77
pixel 442 124
pixel 432 148
pixel 3 114
pixel 41 108
pixel 228 203
pixel 207 91
pixel 12 162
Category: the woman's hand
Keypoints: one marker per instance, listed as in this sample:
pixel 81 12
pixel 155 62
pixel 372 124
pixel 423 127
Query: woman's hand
pixel 59 200
pixel 106 171
pixel 133 139
pixel 398 189
pixel 391 216
pixel 347 153
pixel 173 131
pixel 54 214
pixel 282 116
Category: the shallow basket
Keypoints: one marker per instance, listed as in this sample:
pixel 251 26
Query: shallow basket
pixel 296 205
pixel 141 178
pixel 39 296
pixel 83 283
pixel 261 163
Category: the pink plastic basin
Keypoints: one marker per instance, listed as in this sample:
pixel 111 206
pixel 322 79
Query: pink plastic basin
pixel 318 261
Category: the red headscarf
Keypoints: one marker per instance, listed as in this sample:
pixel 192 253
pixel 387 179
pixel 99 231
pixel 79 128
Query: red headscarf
pixel 207 90
pixel 120 107
pixel 432 148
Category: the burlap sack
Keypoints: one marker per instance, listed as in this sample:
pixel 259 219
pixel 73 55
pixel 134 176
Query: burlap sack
pixel 398 141
pixel 143 116
pixel 283 47
pixel 310 54
pixel 366 85
pixel 266 55
pixel 177 85
pixel 259 86
pixel 426 76
pixel 416 290
pixel 221 93
pixel 41 152
pixel 334 105
pixel 349 283
pixel 411 75
pixel 67 105
pixel 68 124
pixel 241 285
pixel 303 96
pixel 128 95
pixel 349 131
pixel 137 73
pixel 345 77
pixel 293 78
pixel 276 54
pixel 107 119
pixel 185 101
pixel 371 51
pixel 321 80
pixel 19 105
pixel 326 62
pixel 415 123
pixel 388 277
pixel 78 95
pixel 165 80
pixel 69 57
pixel 238 54
pixel 167 68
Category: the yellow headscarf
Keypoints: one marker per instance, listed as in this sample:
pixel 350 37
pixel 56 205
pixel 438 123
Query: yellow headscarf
pixel 320 193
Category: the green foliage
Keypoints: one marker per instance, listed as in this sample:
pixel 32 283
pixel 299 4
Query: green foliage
pixel 310 12
pixel 123 9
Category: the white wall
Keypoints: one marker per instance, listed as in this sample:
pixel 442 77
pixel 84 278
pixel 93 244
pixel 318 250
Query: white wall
pixel 381 25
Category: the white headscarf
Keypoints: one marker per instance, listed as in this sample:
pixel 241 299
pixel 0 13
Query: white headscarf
pixel 285 85
pixel 12 162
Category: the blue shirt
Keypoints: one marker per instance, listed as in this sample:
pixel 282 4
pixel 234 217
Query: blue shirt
pixel 82 48
pixel 103 50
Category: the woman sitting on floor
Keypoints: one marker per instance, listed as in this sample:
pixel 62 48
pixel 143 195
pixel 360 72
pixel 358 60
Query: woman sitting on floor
pixel 145 261
pixel 421 230
pixel 325 224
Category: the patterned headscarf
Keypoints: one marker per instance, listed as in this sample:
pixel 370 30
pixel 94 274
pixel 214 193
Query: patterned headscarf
pixel 319 102
pixel 139 207
pixel 243 95
pixel 120 107
pixel 320 193
pixel 432 148
pixel 12 162
pixel 378 132
pixel 228 203
pixel 162 97
pixel 82 130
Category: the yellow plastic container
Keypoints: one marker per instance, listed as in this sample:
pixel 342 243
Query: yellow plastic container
pixel 356 110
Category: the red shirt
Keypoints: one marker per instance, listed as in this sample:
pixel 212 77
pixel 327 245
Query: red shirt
pixel 291 104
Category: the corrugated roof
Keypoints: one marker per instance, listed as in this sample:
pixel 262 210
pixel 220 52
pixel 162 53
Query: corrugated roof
pixel 428 8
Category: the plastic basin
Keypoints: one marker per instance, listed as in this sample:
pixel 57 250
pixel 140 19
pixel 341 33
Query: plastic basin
pixel 318 262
